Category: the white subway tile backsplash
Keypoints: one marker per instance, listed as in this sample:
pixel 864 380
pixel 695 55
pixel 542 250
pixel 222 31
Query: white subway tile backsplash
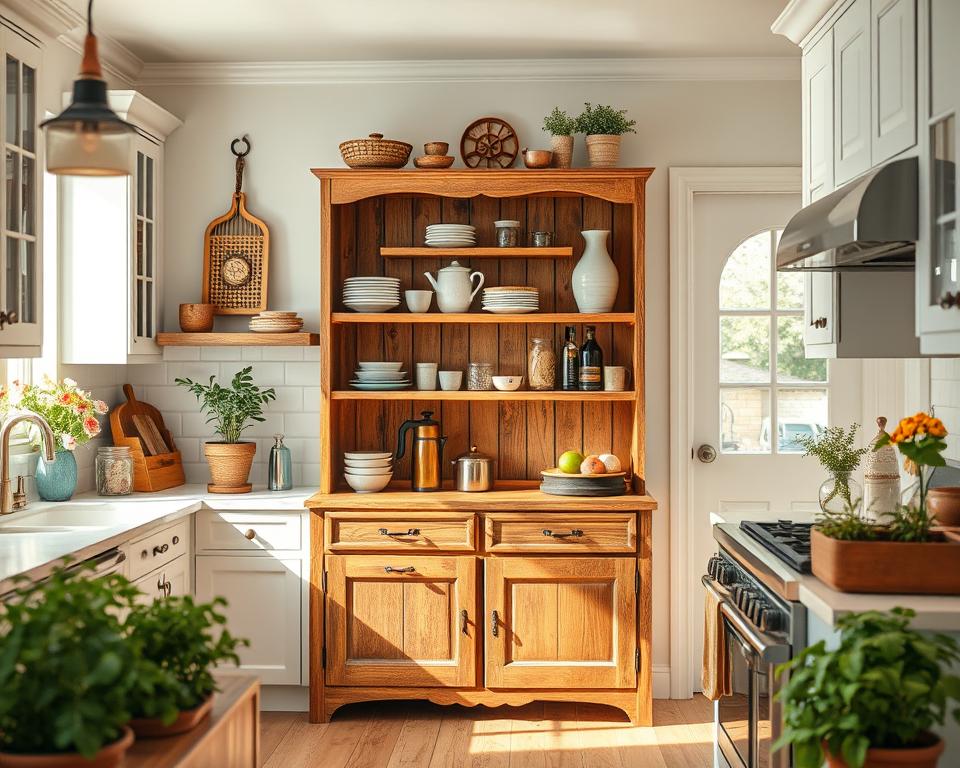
pixel 283 354
pixel 219 353
pixel 289 399
pixel 169 398
pixel 311 353
pixel 264 374
pixel 303 374
pixel 181 353
pixel 302 425
pixel 251 353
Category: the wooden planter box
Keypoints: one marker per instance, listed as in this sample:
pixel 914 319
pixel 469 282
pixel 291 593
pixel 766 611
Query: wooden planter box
pixel 888 567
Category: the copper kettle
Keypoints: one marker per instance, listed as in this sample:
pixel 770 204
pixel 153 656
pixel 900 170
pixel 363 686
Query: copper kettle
pixel 427 451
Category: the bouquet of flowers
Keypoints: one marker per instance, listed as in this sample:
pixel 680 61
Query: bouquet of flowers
pixel 70 411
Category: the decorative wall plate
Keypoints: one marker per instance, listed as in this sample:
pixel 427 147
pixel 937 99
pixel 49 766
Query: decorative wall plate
pixel 489 142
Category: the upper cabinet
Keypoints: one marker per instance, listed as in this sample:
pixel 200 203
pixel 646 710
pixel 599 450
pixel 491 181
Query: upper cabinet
pixel 851 92
pixel 893 32
pixel 112 248
pixel 818 119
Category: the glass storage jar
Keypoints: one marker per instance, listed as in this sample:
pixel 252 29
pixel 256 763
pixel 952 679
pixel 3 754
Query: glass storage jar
pixel 541 365
pixel 508 233
pixel 114 471
pixel 480 376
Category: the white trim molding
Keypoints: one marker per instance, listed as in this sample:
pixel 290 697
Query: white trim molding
pixel 459 71
pixel 116 59
pixel 799 17
pixel 685 185
pixel 52 17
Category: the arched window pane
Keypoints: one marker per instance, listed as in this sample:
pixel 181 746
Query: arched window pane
pixel 745 282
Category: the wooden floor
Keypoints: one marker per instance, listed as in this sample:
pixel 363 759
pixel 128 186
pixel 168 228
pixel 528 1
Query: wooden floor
pixel 551 735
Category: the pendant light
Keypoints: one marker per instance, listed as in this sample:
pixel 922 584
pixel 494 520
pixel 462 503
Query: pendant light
pixel 88 138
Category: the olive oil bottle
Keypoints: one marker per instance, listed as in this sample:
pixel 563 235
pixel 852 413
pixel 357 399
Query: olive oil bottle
pixel 591 363
pixel 570 362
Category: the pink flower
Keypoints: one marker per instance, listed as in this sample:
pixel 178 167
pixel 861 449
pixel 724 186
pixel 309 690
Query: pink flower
pixel 91 426
pixel 69 442
pixel 100 407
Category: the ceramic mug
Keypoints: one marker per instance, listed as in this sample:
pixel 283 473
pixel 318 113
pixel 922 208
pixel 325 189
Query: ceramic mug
pixel 426 376
pixel 614 378
pixel 418 301
pixel 450 381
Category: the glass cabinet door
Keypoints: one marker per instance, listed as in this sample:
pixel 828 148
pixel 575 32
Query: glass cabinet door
pixel 945 280
pixel 145 232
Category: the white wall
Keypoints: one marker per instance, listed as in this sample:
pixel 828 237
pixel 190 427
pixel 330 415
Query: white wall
pixel 294 128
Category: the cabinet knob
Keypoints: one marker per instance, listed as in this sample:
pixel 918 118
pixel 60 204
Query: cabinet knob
pixel 250 534
pixel 175 540
pixel 144 554
pixel 820 322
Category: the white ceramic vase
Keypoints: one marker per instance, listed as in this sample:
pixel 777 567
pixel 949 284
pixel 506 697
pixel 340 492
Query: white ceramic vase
pixel 595 277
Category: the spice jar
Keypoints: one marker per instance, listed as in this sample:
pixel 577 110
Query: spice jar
pixel 480 376
pixel 541 365
pixel 114 471
pixel 508 233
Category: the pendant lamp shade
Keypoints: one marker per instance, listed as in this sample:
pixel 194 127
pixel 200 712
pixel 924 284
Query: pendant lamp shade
pixel 88 138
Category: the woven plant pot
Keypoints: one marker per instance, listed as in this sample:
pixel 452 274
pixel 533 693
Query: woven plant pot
pixel 111 756
pixel 229 466
pixel 603 150
pixel 562 151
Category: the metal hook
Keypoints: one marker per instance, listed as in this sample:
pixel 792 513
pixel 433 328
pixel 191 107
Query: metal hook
pixel 233 146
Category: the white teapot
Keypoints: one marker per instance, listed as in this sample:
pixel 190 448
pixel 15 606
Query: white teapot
pixel 453 285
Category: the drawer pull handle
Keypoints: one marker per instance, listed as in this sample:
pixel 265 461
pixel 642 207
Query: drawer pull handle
pixel 495 623
pixel 160 549
pixel 405 569
pixel 164 587
pixel 563 534
pixel 463 621
pixel 250 534
pixel 408 532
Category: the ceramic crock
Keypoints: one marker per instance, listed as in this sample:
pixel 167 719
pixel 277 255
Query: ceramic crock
pixel 57 480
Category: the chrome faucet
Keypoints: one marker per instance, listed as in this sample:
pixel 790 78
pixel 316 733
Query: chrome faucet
pixel 47 438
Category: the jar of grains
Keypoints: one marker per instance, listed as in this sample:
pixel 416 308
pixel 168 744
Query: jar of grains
pixel 114 471
pixel 480 376
pixel 541 365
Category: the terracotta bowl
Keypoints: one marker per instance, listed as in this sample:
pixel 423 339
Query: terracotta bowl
pixel 196 318
pixel 944 503
pixel 436 147
pixel 537 158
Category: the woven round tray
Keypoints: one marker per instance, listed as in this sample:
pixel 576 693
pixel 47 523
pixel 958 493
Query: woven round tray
pixel 375 152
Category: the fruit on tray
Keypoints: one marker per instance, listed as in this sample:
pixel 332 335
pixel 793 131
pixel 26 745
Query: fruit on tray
pixel 611 462
pixel 593 466
pixel 569 462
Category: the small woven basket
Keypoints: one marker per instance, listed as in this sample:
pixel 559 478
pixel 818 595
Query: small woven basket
pixel 375 152
pixel 603 151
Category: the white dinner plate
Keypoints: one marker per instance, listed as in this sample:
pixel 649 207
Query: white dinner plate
pixel 376 365
pixel 368 387
pixel 383 376
pixel 372 308
pixel 510 310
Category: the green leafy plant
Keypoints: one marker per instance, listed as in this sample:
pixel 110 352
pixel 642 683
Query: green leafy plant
pixel 846 525
pixel 909 523
pixel 884 686
pixel 231 408
pixel 187 640
pixel 604 120
pixel 834 449
pixel 559 123
pixel 69 673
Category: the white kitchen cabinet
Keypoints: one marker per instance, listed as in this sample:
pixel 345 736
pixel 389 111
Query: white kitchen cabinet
pixel 818 119
pixel 851 62
pixel 820 311
pixel 172 579
pixel 112 248
pixel 893 37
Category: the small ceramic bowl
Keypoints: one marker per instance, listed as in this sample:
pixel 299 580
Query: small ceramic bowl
pixel 196 318
pixel 436 147
pixel 537 158
pixel 370 471
pixel 368 463
pixel 367 484
pixel 418 301
pixel 367 455
pixel 507 383
pixel 450 381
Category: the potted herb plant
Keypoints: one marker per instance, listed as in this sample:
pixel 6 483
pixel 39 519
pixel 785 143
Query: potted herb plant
pixel 187 640
pixel 872 701
pixel 69 673
pixel 834 449
pixel 561 128
pixel 603 126
pixel 231 410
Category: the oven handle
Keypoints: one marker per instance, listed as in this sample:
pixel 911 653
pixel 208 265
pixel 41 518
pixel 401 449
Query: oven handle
pixel 769 651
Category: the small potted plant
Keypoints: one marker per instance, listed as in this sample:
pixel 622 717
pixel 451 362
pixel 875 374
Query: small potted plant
pixel 561 128
pixel 873 700
pixel 187 640
pixel 603 126
pixel 69 673
pixel 230 410
pixel 834 448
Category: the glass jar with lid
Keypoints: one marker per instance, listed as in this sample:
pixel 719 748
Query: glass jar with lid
pixel 480 376
pixel 114 469
pixel 541 365
pixel 508 233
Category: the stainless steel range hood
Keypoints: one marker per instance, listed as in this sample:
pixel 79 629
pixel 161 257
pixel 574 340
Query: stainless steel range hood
pixel 870 223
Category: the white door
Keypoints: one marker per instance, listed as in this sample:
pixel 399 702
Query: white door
pixel 754 391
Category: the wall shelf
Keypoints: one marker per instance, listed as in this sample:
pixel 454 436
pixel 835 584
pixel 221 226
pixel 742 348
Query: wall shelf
pixel 486 395
pixel 299 339
pixel 557 252
pixel 570 318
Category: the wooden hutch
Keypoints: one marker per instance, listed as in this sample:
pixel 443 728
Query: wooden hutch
pixel 481 604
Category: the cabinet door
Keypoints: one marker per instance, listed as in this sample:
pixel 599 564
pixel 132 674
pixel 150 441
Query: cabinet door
pixel 820 315
pixel 893 36
pixel 399 621
pixel 145 271
pixel 851 62
pixel 561 622
pixel 263 596
pixel 168 580
pixel 818 119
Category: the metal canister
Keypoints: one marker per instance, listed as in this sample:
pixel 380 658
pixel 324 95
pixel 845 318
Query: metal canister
pixel 279 466
pixel 473 471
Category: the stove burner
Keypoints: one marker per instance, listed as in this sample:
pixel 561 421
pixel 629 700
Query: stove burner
pixel 788 540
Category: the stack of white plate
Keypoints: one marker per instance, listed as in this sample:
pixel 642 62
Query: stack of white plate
pixel 373 377
pixel 451 235
pixel 367 471
pixel 511 299
pixel 371 294
pixel 276 322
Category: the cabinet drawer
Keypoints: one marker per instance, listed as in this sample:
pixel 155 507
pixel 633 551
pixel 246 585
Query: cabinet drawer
pixel 168 580
pixel 521 532
pixel 157 549
pixel 400 531
pixel 248 531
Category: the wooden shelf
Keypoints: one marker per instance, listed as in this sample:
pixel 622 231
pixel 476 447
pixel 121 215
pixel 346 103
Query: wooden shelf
pixel 484 395
pixel 559 252
pixel 571 318
pixel 299 339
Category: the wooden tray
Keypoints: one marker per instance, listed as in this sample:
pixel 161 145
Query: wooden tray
pixel 150 473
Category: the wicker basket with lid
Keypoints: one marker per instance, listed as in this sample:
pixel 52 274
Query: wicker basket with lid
pixel 375 152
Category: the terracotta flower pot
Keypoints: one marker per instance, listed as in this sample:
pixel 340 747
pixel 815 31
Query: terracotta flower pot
pixel 110 756
pixel 153 727
pixel 944 504
pixel 229 466
pixel 924 756
pixel 562 151
pixel 603 150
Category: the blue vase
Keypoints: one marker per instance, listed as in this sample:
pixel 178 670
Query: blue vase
pixel 57 480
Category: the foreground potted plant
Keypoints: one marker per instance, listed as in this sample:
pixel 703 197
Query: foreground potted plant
pixel 834 449
pixel 231 410
pixel 604 127
pixel 187 640
pixel 873 700
pixel 69 673
pixel 561 128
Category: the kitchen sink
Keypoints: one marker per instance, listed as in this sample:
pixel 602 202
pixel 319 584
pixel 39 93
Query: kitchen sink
pixel 79 516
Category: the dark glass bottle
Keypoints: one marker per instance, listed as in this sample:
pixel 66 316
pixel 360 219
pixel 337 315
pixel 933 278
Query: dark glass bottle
pixel 570 362
pixel 591 363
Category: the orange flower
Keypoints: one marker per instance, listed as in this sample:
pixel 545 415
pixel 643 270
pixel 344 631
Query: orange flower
pixel 919 425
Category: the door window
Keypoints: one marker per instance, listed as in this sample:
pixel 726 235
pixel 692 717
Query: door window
pixel 770 393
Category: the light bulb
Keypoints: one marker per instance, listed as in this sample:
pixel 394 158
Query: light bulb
pixel 89 138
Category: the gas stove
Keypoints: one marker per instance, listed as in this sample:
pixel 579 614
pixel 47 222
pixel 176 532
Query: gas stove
pixel 788 540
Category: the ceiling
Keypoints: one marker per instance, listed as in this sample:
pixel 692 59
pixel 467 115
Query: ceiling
pixel 378 30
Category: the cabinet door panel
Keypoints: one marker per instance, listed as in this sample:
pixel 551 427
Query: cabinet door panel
pixel 397 621
pixel 820 316
pixel 851 61
pixel 893 33
pixel 561 622
pixel 818 119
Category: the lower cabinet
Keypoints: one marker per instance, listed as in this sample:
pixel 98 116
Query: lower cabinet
pixel 264 605
pixel 171 579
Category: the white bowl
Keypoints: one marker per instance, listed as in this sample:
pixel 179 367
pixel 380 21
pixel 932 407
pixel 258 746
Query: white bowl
pixel 367 455
pixel 507 383
pixel 364 484
pixel 379 366
pixel 367 463
pixel 380 376
pixel 370 471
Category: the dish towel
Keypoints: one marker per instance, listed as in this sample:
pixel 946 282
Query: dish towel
pixel 716 671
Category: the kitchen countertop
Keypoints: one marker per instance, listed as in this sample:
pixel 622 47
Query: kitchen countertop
pixel 34 553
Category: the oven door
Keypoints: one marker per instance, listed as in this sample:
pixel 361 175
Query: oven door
pixel 736 711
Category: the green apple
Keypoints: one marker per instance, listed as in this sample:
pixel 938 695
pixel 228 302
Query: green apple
pixel 569 462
